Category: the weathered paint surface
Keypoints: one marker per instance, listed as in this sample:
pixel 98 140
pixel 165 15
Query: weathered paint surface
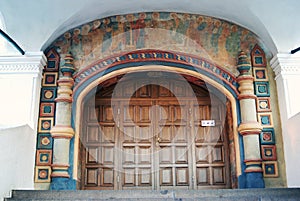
pixel 210 38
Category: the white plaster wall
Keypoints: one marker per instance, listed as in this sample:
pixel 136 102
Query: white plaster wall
pixel 20 84
pixel 16 159
pixel 292 149
pixel 287 71
pixel 293 93
pixel 17 96
pixel 291 129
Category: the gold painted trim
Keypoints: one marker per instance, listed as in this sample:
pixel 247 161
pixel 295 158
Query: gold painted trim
pixel 275 168
pixel 44 84
pixel 269 114
pixel 221 88
pixel 254 69
pixel 36 177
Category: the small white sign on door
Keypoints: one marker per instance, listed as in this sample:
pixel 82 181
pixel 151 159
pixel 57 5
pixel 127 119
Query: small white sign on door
pixel 207 122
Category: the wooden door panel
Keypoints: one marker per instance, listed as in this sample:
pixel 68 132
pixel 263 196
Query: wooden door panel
pixel 128 133
pixel 200 134
pixel 107 114
pixel 99 145
pixel 91 177
pixel 145 134
pixel 180 114
pixel 92 154
pixel 218 154
pixel 166 176
pixel 215 134
pixel 165 133
pixel 173 146
pixel 92 134
pixel 145 155
pixel 202 176
pixel 136 144
pixel 165 155
pixel 218 175
pixel 163 89
pixel 107 134
pixel 144 91
pixel 129 177
pixel 200 112
pixel 145 177
pixel 181 155
pixel 129 113
pixel 182 176
pixel 107 157
pixel 143 114
pixel 93 114
pixel 107 177
pixel 128 155
pixel 180 134
pixel 164 114
pixel 202 155
pixel 155 142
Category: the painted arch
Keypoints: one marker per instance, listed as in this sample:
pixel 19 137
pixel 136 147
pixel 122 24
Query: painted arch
pixel 202 47
pixel 82 89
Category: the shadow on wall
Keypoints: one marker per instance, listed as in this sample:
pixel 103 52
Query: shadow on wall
pixel 16 158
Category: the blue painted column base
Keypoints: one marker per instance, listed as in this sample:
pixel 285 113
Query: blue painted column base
pixel 63 184
pixel 255 180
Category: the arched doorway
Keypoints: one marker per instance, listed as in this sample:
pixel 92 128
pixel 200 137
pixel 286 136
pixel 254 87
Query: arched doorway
pixel 145 130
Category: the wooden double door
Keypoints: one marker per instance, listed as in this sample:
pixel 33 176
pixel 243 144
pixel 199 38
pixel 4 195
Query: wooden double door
pixel 153 143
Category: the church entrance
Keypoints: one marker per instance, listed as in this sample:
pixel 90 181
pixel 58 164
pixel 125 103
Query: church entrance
pixel 151 130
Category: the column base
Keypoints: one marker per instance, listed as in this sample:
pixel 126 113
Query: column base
pixel 63 184
pixel 255 180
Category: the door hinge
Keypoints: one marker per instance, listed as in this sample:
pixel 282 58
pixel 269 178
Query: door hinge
pixel 190 110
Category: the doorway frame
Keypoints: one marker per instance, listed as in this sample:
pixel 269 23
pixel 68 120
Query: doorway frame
pixel 79 93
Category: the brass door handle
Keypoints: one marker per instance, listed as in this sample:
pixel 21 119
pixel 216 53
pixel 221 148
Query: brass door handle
pixel 158 139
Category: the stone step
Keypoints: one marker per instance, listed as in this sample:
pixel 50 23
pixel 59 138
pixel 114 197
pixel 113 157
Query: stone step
pixel 290 194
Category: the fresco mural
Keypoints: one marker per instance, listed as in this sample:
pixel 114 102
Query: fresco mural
pixel 212 45
pixel 214 39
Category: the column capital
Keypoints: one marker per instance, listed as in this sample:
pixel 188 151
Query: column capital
pixel 244 64
pixel 66 81
pixel 285 64
pixel 68 69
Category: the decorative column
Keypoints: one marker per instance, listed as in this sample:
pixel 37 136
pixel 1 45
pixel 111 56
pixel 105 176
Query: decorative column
pixel 249 127
pixel 62 132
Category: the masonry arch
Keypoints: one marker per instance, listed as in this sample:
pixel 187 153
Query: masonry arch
pixel 216 84
pixel 199 47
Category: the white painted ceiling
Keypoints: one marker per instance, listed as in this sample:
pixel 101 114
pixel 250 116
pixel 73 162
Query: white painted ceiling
pixel 34 24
